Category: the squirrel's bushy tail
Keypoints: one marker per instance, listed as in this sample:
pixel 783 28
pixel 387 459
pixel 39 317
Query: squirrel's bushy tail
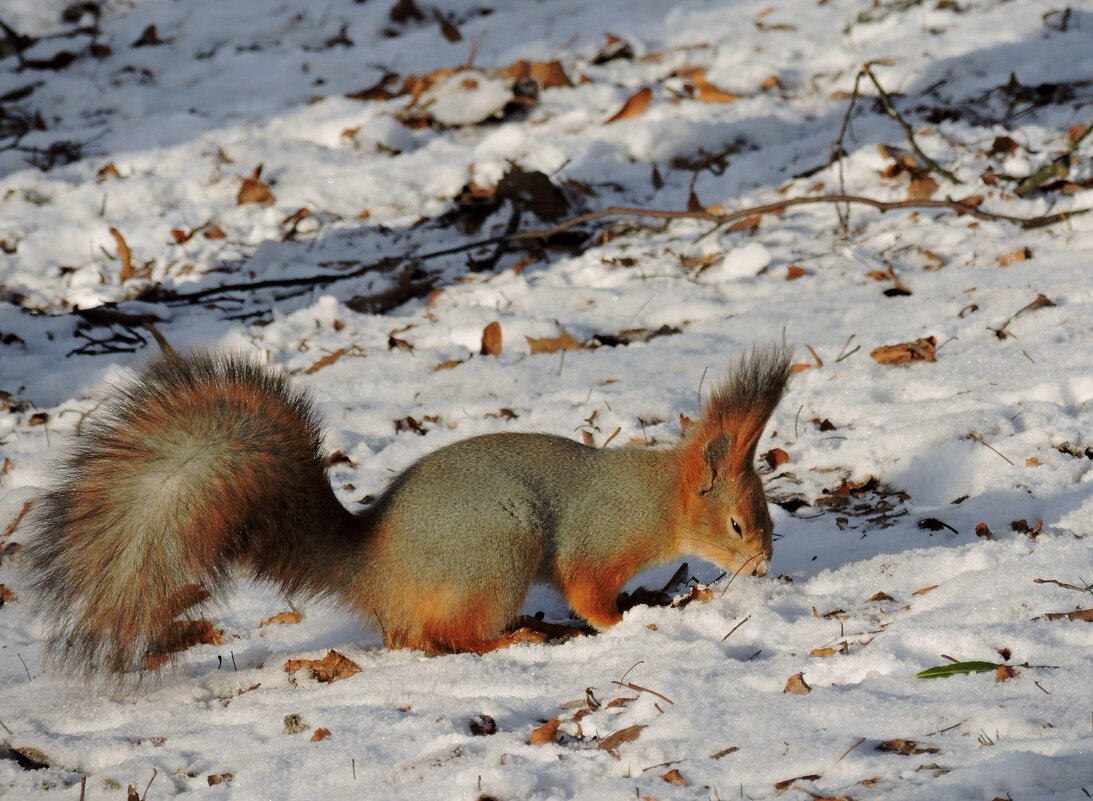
pixel 201 462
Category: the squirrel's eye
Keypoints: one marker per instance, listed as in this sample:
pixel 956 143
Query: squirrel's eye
pixel 736 527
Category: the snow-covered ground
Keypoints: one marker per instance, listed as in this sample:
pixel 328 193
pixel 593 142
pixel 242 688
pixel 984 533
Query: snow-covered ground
pixel 153 131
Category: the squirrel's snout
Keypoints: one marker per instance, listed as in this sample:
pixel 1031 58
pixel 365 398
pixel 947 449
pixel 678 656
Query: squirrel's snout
pixel 763 567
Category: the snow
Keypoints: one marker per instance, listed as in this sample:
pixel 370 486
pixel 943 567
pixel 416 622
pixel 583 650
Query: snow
pixel 994 431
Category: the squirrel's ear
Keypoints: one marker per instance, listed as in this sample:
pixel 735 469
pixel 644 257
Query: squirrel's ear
pixel 714 454
pixel 706 457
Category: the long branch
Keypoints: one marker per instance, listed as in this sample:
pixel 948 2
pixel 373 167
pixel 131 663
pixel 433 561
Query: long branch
pixel 958 206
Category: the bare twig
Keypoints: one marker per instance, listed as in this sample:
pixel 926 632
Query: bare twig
pixel 1064 585
pixel 638 688
pixel 734 628
pixel 983 442
pixel 857 742
pixel 886 101
pixel 149 785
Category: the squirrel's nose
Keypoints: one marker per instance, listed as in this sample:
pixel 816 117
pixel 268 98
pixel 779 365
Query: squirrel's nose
pixel 763 567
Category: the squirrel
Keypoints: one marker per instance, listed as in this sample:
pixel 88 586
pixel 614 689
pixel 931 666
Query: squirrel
pixel 206 462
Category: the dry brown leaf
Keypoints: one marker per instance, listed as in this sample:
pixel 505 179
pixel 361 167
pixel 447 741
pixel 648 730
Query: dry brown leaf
pixel 785 784
pixel 254 190
pixel 881 596
pixel 491 339
pixel 922 187
pixel 545 734
pixel 634 106
pixel 1075 132
pixel 701 262
pixel 300 214
pixel 448 365
pixel 703 90
pixel 822 652
pixel 124 256
pixel 732 749
pixel 219 778
pixel 319 735
pixel 1078 614
pixel 326 361
pixel 921 350
pixel 38 419
pixel 1005 672
pixel 746 224
pixel 548 74
pixel 794 271
pixel 563 341
pixel 905 747
pixel 1032 461
pixel 775 457
pixel 332 667
pixel 1019 255
pixel 283 618
pixel 797 685
pixel 674 777
pixel 214 232
pixel 771 82
pixel 924 590
pixel 108 170
pixel 5 595
pixel 695 593
pixel 448 28
pixel 611 742
pixel 14 524
pixel 981 530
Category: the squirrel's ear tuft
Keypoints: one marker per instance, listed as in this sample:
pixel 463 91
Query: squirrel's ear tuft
pixel 743 403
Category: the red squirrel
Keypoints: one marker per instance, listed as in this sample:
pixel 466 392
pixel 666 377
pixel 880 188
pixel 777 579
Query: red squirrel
pixel 205 463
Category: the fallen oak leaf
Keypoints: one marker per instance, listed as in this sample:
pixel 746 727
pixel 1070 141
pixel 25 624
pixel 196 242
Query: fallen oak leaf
pixel 785 784
pixel 1019 255
pixel 905 747
pixel 1005 672
pixel 724 752
pixel 253 190
pixel 491 340
pixel 926 589
pixel 702 89
pixel 563 341
pixel 674 777
pixel 797 685
pixel 921 350
pixel 332 667
pixel 319 735
pixel 775 458
pixel 1078 614
pixel 634 106
pixel 283 618
pixel 125 256
pixel 108 170
pixel 546 733
pixel 611 742
pixel 548 74
pixel 326 361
